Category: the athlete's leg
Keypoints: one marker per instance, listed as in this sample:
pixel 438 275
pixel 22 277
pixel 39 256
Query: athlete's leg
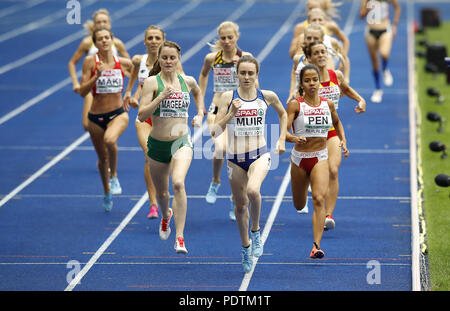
pixel 238 183
pixel 179 167
pixel 115 128
pixel 319 186
pixel 334 161
pixel 143 131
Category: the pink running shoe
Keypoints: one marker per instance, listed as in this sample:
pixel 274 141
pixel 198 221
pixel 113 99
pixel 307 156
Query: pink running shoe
pixel 153 214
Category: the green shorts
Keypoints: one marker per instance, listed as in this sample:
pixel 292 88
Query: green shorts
pixel 162 151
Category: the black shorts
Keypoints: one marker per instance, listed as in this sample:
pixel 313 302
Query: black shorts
pixel 377 33
pixel 103 119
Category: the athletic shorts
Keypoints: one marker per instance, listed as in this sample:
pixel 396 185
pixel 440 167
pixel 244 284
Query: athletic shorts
pixel 162 151
pixel 307 160
pixel 103 119
pixel 377 33
pixel 244 160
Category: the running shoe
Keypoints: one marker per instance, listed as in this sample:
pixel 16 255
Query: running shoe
pixel 387 78
pixel 153 214
pixel 107 202
pixel 164 227
pixel 247 260
pixel 180 247
pixel 377 96
pixel 115 186
pixel 257 247
pixel 231 214
pixel 316 252
pixel 211 196
pixel 304 210
pixel 329 223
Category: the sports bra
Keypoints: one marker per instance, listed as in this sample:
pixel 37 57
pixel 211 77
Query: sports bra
pixel 110 81
pixel 250 119
pixel 177 104
pixel 312 121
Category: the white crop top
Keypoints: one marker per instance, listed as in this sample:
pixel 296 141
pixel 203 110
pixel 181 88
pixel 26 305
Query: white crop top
pixel 312 121
pixel 250 119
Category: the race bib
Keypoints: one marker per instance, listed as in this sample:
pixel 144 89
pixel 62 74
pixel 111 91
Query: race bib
pixel 249 122
pixel 332 93
pixel 317 121
pixel 225 79
pixel 175 106
pixel 110 81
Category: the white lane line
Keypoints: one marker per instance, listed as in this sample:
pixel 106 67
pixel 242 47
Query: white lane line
pixel 415 230
pixel 39 23
pixel 268 226
pixel 127 219
pixel 198 196
pixel 19 7
pixel 289 23
pixel 139 149
pixel 43 169
pixel 190 263
pixel 67 39
pixel 85 136
pixel 56 45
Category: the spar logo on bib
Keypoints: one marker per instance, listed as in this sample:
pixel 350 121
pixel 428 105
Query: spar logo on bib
pixel 249 117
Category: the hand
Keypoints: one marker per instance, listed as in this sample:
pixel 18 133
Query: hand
pixel 167 91
pixel 100 68
pixel 76 88
pixel 197 120
pixel 280 147
pixel 361 107
pixel 235 105
pixel 126 99
pixel 345 151
pixel 301 140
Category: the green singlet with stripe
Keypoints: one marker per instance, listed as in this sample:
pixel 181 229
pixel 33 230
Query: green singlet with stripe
pixel 176 105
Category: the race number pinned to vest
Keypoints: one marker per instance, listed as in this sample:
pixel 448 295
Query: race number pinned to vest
pixel 175 106
pixel 111 81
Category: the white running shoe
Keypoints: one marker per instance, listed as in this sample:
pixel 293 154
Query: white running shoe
pixel 387 77
pixel 164 227
pixel 114 186
pixel 329 223
pixel 377 96
pixel 180 247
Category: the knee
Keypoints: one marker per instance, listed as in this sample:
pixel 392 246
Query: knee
pixel 178 186
pixel 253 194
pixel 163 195
pixel 334 172
pixel 318 199
pixel 241 206
pixel 110 141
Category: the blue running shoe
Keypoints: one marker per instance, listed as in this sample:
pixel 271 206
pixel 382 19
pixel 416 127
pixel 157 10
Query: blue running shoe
pixel 257 247
pixel 232 215
pixel 247 260
pixel 114 186
pixel 211 196
pixel 107 202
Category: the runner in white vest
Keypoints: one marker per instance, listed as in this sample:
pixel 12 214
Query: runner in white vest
pixel 310 117
pixel 222 62
pixel 242 113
